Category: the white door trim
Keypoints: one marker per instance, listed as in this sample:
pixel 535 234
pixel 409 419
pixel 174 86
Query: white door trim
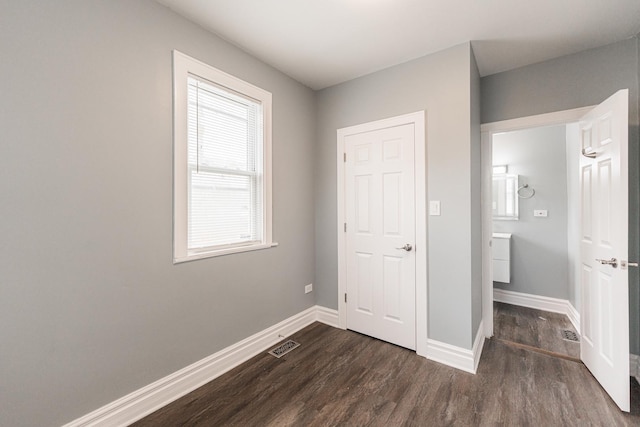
pixel 418 120
pixel 487 131
pixel 547 119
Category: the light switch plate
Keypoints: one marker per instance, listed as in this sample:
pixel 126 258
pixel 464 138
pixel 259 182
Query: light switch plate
pixel 541 213
pixel 434 207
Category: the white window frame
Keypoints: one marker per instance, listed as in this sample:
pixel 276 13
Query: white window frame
pixel 183 67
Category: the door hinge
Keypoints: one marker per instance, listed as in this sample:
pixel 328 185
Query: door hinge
pixel 345 227
pixel 345 297
pixel 344 156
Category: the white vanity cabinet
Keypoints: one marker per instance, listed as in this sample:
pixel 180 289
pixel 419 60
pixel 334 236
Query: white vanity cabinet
pixel 501 257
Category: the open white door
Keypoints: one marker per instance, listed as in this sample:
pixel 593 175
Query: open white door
pixel 604 347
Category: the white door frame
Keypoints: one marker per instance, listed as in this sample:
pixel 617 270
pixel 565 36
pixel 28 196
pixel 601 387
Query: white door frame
pixel 418 120
pixel 487 131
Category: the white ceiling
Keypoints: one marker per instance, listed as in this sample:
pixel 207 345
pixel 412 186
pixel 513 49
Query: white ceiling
pixel 324 42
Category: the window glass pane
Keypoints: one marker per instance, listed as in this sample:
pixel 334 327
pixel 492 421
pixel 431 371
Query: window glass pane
pixel 224 156
pixel 224 129
pixel 221 209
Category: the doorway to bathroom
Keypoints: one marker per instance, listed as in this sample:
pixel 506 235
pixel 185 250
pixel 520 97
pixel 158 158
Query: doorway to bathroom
pixel 598 272
pixel 534 205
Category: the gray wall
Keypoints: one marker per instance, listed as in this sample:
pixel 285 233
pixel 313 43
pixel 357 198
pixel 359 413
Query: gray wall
pixel 539 261
pixel 91 306
pixel 634 215
pixel 439 84
pixel 579 80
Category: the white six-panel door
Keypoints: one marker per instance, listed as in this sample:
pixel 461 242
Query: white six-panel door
pixel 604 245
pixel 380 234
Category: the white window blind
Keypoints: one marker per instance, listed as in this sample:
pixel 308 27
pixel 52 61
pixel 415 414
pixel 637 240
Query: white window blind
pixel 224 166
pixel 221 161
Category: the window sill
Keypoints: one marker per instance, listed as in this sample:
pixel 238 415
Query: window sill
pixel 221 252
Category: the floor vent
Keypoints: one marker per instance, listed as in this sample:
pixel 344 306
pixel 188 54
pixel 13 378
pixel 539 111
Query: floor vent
pixel 570 335
pixel 284 348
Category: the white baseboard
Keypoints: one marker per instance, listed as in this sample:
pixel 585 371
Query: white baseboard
pixel 152 397
pixel 554 305
pixel 634 366
pixel 478 345
pixel 328 316
pixel 574 316
pixel 457 357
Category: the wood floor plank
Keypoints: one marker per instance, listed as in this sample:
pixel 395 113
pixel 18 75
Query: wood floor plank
pixel 536 328
pixel 340 377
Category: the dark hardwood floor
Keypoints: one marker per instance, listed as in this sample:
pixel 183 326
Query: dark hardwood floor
pixel 343 378
pixel 535 328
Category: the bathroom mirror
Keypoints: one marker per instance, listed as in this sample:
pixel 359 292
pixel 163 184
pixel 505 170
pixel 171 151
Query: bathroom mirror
pixel 505 196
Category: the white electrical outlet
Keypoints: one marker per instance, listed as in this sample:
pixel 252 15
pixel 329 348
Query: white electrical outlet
pixel 541 213
pixel 308 288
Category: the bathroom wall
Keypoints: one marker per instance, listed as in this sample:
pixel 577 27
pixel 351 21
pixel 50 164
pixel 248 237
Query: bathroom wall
pixel 539 259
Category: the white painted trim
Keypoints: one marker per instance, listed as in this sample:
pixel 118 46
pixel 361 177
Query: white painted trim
pixel 420 160
pixel 457 357
pixel 342 239
pixel 450 355
pixel 634 366
pixel 487 131
pixel 554 305
pixel 573 315
pixel 328 316
pixel 154 396
pixel 418 120
pixel 486 176
pixel 547 119
pixel 220 252
pixel 478 346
